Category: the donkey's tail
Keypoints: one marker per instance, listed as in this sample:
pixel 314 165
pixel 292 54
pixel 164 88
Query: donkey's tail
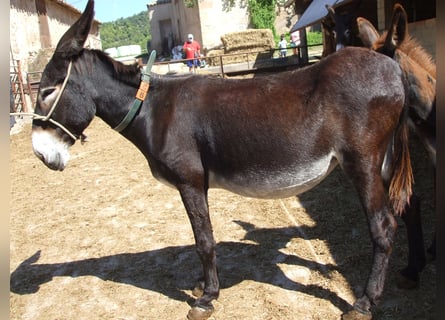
pixel 402 180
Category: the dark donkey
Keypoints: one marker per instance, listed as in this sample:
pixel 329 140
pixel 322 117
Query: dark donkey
pixel 267 137
pixel 418 66
pixel 341 30
pixel 339 27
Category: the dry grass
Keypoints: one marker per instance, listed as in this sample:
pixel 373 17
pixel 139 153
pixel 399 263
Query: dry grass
pixel 104 240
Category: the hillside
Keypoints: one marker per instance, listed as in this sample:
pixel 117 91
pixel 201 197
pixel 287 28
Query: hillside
pixel 126 31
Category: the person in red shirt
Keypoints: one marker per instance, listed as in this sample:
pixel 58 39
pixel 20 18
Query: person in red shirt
pixel 192 51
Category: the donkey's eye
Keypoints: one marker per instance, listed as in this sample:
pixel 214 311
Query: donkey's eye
pixel 46 92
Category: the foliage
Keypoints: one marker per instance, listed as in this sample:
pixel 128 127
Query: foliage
pixel 314 37
pixel 189 3
pixel 262 14
pixel 126 31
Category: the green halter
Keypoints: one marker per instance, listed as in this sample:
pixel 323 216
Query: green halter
pixel 141 94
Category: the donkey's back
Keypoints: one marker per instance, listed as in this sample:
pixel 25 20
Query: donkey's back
pixel 281 134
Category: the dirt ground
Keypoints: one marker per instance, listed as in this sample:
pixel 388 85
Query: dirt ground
pixel 105 240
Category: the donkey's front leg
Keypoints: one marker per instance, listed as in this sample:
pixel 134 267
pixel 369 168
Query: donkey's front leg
pixel 409 276
pixel 195 202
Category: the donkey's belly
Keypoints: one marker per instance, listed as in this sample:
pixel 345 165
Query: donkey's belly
pixel 277 183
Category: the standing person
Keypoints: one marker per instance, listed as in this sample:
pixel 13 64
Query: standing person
pixel 192 51
pixel 282 45
pixel 295 41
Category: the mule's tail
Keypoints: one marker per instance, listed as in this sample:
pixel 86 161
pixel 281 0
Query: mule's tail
pixel 400 188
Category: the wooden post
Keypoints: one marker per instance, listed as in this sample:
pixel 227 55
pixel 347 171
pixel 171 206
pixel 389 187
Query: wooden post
pixel 45 36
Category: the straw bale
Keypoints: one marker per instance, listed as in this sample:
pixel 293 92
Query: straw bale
pixel 249 45
pixel 212 57
pixel 248 40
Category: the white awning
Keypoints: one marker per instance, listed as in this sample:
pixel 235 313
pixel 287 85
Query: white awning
pixel 316 12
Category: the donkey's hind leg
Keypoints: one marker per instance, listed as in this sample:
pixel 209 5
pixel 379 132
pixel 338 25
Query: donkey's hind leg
pixel 382 226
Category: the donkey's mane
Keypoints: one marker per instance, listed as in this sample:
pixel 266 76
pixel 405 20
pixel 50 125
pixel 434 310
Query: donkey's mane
pixel 412 48
pixel 131 74
pixel 126 73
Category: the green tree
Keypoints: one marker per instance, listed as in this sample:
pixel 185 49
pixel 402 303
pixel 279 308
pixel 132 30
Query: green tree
pixel 262 14
pixel 126 31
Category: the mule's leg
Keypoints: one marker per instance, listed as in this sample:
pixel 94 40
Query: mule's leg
pixel 416 251
pixel 382 226
pixel 196 205
pixel 432 249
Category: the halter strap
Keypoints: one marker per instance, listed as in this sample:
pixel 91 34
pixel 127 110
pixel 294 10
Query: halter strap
pixel 141 94
pixel 140 97
pixel 53 107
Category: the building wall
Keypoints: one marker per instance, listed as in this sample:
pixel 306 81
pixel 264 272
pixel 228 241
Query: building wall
pixel 22 28
pixel 172 16
pixel 156 14
pixel 217 20
pixel 187 21
pixel 207 21
pixel 25 32
pixel 60 19
pixel 425 32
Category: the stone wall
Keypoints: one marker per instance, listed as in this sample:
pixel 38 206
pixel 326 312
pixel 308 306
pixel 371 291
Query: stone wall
pixel 217 20
pixel 207 20
pixel 25 32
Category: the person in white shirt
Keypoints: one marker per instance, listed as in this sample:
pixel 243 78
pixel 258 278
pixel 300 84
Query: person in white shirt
pixel 282 45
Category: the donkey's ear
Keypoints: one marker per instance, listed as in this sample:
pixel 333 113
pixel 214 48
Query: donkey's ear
pixel 329 20
pixel 398 30
pixel 331 11
pixel 367 33
pixel 71 43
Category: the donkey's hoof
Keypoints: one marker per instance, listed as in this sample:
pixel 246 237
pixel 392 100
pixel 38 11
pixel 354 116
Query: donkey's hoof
pixel 356 315
pixel 199 313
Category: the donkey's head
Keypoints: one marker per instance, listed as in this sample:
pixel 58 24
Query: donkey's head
pixel 339 26
pixel 418 67
pixel 66 111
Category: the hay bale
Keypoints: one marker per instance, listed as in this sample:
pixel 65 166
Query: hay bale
pixel 248 40
pixel 247 56
pixel 212 57
pixel 249 45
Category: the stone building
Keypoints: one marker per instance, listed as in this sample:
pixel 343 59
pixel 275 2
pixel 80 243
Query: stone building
pixel 35 28
pixel 37 25
pixel 207 20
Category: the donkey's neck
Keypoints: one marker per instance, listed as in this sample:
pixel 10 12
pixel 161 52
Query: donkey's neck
pixel 115 88
pixel 114 103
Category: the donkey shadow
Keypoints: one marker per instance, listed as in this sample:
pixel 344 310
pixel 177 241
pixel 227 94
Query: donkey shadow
pixel 172 271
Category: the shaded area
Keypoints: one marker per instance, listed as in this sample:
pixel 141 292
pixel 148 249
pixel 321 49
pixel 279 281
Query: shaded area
pixel 168 270
pixel 173 270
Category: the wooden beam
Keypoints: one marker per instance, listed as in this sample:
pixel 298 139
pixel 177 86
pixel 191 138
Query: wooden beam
pixel 45 36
